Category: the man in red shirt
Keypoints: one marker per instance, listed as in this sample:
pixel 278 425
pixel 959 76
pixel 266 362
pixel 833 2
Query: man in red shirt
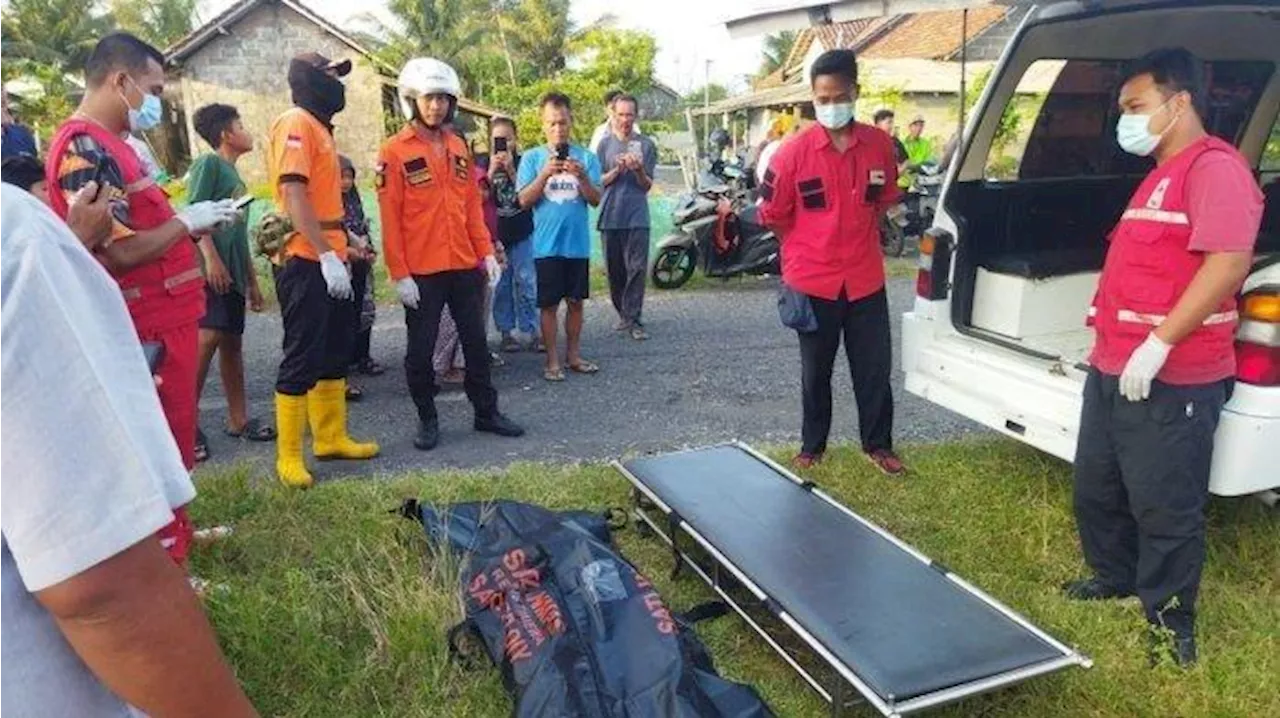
pixel 1163 362
pixel 824 193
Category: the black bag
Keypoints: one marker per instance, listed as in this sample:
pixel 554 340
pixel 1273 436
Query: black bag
pixel 796 310
pixel 574 628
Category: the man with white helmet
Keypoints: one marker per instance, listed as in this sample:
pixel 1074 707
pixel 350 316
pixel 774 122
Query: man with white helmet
pixel 437 248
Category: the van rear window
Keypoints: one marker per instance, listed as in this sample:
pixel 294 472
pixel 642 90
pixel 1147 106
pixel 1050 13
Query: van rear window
pixel 1061 121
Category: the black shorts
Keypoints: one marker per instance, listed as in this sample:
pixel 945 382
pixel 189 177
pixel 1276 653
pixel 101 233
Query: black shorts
pixel 223 312
pixel 561 278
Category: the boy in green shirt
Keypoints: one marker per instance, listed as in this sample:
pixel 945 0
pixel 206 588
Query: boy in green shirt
pixel 230 279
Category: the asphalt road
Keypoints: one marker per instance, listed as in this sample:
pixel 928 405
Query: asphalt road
pixel 718 366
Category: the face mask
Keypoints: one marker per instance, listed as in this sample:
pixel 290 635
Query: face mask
pixel 146 117
pixel 1133 132
pixel 835 115
pixel 315 91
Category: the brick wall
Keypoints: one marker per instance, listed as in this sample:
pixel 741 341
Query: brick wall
pixel 248 68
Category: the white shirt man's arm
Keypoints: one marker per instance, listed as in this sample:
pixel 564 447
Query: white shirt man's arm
pixel 91 472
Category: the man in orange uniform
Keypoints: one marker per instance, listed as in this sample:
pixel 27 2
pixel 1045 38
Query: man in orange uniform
pixel 313 283
pixel 150 253
pixel 437 248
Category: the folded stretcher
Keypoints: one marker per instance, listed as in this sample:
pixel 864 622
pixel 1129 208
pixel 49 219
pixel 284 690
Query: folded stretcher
pixel 803 570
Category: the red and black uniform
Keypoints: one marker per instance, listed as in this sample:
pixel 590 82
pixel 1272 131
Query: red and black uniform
pixel 827 206
pixel 165 297
pixel 1142 468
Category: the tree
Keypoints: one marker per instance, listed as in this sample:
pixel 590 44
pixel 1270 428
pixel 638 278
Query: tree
pixel 713 92
pixel 776 49
pixel 617 58
pixel 539 32
pixel 448 30
pixel 159 22
pixel 54 33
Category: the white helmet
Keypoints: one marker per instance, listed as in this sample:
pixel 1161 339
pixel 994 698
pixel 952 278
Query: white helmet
pixel 425 76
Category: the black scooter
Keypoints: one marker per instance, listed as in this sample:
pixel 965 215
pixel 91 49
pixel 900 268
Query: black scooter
pixel 915 214
pixel 733 247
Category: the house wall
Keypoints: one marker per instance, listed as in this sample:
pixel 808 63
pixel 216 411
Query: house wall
pixel 248 68
pixel 656 103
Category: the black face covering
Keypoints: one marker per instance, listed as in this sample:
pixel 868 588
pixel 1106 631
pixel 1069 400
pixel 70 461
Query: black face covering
pixel 316 92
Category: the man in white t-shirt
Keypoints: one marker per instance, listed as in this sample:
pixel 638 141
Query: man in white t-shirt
pixel 96 616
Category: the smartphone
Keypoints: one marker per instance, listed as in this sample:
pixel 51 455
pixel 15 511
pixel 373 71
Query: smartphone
pixel 244 201
pixel 499 144
pixel 562 151
pixel 154 352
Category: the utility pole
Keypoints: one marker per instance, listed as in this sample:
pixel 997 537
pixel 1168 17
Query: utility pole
pixel 706 103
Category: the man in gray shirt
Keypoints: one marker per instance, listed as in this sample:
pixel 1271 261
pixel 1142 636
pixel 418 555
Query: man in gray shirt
pixel 628 160
pixel 97 617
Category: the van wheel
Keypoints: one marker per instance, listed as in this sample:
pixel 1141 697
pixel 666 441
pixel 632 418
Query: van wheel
pixel 673 267
pixel 893 241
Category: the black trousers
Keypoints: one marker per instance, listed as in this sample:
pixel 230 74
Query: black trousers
pixel 1141 484
pixel 360 272
pixel 626 255
pixel 463 292
pixel 318 329
pixel 864 324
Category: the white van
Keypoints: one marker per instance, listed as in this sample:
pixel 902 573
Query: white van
pixel 997 332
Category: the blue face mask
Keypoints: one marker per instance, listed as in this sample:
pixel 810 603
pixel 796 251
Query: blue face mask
pixel 146 117
pixel 1133 132
pixel 835 115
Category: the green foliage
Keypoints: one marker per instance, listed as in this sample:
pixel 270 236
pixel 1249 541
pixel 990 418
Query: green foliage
pixel 52 33
pixel 159 22
pixel 42 112
pixel 1271 153
pixel 538 32
pixel 775 51
pixel 617 58
pixel 714 92
pixel 890 97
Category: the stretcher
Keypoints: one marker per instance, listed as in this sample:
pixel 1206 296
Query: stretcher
pixel 842 601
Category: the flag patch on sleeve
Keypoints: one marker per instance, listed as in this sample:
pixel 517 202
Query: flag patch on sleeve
pixel 293 142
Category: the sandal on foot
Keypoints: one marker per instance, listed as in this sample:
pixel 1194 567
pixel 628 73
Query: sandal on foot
pixel 582 366
pixel 509 345
pixel 254 430
pixel 553 375
pixel 201 451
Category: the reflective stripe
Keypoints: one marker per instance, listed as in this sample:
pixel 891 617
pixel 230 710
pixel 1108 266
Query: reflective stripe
pixel 183 278
pixel 139 185
pixel 1163 216
pixel 1128 315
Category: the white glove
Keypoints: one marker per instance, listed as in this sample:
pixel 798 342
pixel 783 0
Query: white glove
pixel 336 275
pixel 1142 368
pixel 201 217
pixel 493 269
pixel 408 291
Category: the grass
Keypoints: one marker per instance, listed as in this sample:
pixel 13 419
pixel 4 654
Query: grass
pixel 337 608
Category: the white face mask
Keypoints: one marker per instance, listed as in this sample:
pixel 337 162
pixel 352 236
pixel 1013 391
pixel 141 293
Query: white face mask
pixel 1133 132
pixel 835 115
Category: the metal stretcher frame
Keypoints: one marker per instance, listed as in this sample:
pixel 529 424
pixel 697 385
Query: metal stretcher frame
pixel 836 694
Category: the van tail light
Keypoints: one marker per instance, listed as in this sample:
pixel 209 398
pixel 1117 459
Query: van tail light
pixel 933 280
pixel 1258 340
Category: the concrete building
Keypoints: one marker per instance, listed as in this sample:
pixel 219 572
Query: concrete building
pixel 241 58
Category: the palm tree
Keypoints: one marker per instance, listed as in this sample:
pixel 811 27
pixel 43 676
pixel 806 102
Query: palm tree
pixel 159 22
pixel 53 33
pixel 775 51
pixel 540 32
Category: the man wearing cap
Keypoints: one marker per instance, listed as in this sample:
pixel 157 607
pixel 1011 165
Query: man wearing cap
pixel 313 283
pixel 919 151
pixel 437 247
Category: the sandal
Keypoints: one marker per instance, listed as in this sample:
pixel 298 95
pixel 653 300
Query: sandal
pixel 555 375
pixel 509 345
pixel 369 367
pixel 253 430
pixel 584 367
pixel 201 451
pixel 354 393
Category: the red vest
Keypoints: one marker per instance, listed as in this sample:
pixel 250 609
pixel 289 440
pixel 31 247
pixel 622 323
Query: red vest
pixel 1148 269
pixel 162 294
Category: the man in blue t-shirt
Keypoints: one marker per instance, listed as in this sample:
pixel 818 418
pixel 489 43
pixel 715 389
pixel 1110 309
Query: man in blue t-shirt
pixel 558 181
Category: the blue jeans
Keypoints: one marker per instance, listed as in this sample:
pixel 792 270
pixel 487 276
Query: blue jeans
pixel 515 301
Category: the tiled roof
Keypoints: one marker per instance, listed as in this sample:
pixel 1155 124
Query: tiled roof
pixel 932 35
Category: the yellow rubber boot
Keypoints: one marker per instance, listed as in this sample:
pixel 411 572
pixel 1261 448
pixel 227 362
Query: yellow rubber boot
pixel 327 407
pixel 291 424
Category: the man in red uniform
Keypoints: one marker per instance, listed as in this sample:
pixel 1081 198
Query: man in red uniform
pixel 824 193
pixel 151 253
pixel 1162 362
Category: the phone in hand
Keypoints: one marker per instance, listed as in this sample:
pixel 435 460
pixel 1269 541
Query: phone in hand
pixel 499 144
pixel 562 151
pixel 100 174
pixel 154 352
pixel 243 202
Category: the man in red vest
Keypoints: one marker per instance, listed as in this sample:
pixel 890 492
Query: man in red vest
pixel 151 253
pixel 1163 362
